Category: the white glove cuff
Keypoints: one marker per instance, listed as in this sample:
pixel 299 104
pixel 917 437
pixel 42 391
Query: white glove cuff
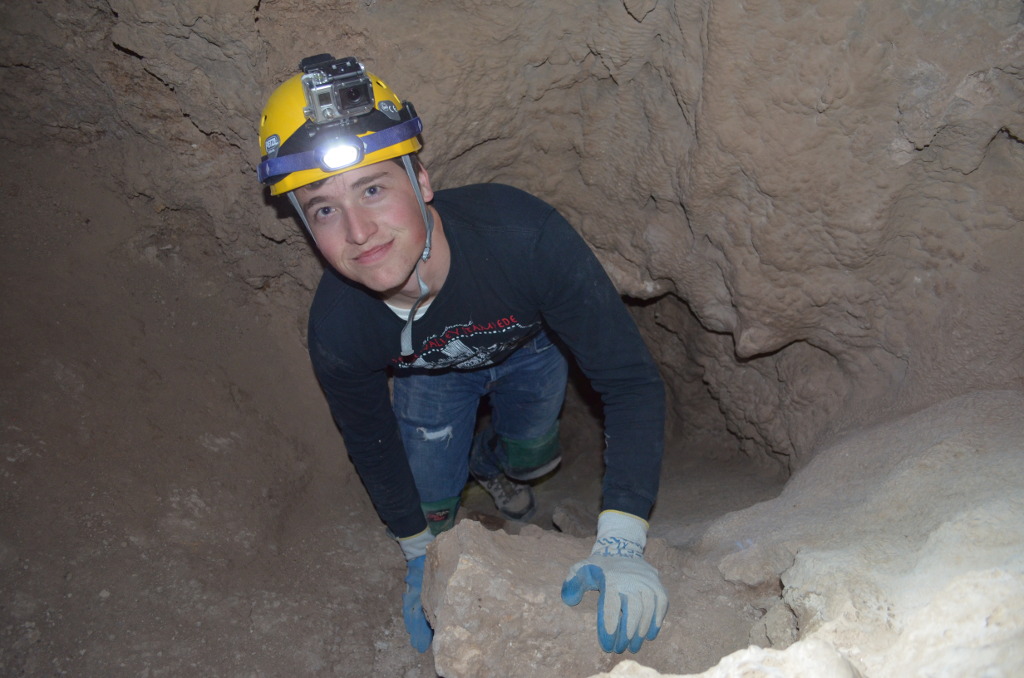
pixel 620 534
pixel 416 546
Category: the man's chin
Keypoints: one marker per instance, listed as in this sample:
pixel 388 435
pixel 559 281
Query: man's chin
pixel 399 295
pixel 386 288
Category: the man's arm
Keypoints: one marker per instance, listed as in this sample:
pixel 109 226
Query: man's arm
pixel 360 403
pixel 585 310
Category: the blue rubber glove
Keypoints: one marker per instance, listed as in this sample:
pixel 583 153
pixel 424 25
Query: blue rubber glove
pixel 420 633
pixel 415 549
pixel 632 602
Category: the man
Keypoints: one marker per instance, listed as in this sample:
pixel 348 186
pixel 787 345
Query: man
pixel 460 295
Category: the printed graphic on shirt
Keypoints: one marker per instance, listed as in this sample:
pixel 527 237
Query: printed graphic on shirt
pixel 469 345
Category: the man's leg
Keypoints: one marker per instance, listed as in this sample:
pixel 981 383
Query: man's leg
pixel 436 416
pixel 521 443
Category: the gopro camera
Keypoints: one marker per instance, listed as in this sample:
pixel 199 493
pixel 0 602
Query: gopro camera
pixel 337 90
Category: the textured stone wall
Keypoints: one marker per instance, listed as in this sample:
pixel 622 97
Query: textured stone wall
pixel 819 203
pixel 851 206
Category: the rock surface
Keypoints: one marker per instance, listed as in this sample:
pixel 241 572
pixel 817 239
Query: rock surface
pixel 816 206
pixel 905 549
pixel 494 600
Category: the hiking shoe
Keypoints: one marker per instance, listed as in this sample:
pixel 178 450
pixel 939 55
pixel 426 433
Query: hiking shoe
pixel 513 500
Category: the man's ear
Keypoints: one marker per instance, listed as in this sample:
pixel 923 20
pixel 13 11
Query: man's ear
pixel 424 180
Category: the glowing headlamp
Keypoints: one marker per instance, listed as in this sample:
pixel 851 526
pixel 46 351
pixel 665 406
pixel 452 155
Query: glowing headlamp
pixel 338 153
pixel 341 154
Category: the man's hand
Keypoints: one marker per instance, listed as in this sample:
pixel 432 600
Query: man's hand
pixel 632 602
pixel 415 549
pixel 420 633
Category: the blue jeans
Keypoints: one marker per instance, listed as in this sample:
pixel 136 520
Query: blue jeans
pixel 437 415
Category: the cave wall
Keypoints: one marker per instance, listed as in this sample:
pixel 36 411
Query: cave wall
pixel 816 205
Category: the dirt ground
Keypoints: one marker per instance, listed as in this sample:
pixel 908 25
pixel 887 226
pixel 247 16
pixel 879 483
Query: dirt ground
pixel 175 498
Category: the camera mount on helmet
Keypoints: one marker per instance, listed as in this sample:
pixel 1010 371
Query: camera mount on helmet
pixel 337 90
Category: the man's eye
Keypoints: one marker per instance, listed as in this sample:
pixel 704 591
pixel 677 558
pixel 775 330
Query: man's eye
pixel 372 191
pixel 324 212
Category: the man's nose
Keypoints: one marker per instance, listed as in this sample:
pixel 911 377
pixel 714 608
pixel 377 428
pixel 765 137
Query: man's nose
pixel 361 227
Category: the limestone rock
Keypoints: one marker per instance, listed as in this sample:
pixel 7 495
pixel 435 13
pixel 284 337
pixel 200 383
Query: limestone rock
pixel 909 543
pixel 494 602
pixel 810 658
pixel 575 518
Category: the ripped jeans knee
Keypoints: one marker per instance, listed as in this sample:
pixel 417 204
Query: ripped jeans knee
pixel 435 435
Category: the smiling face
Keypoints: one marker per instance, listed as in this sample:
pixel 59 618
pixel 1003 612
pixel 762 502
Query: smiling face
pixel 367 224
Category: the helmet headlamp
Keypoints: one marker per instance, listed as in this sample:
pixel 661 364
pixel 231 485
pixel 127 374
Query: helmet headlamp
pixel 341 154
pixel 332 117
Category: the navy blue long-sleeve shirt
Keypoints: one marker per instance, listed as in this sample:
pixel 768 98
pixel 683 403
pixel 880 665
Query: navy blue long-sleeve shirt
pixel 516 265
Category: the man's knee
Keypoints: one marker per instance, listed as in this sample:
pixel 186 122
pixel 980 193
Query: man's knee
pixel 443 434
pixel 530 459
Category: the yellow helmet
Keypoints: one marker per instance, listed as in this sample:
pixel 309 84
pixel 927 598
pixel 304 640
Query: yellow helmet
pixel 330 118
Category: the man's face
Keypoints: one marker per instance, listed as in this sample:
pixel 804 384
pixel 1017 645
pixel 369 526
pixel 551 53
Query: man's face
pixel 368 225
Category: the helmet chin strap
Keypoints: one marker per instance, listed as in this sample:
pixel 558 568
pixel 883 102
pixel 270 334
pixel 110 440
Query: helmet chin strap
pixel 302 215
pixel 428 223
